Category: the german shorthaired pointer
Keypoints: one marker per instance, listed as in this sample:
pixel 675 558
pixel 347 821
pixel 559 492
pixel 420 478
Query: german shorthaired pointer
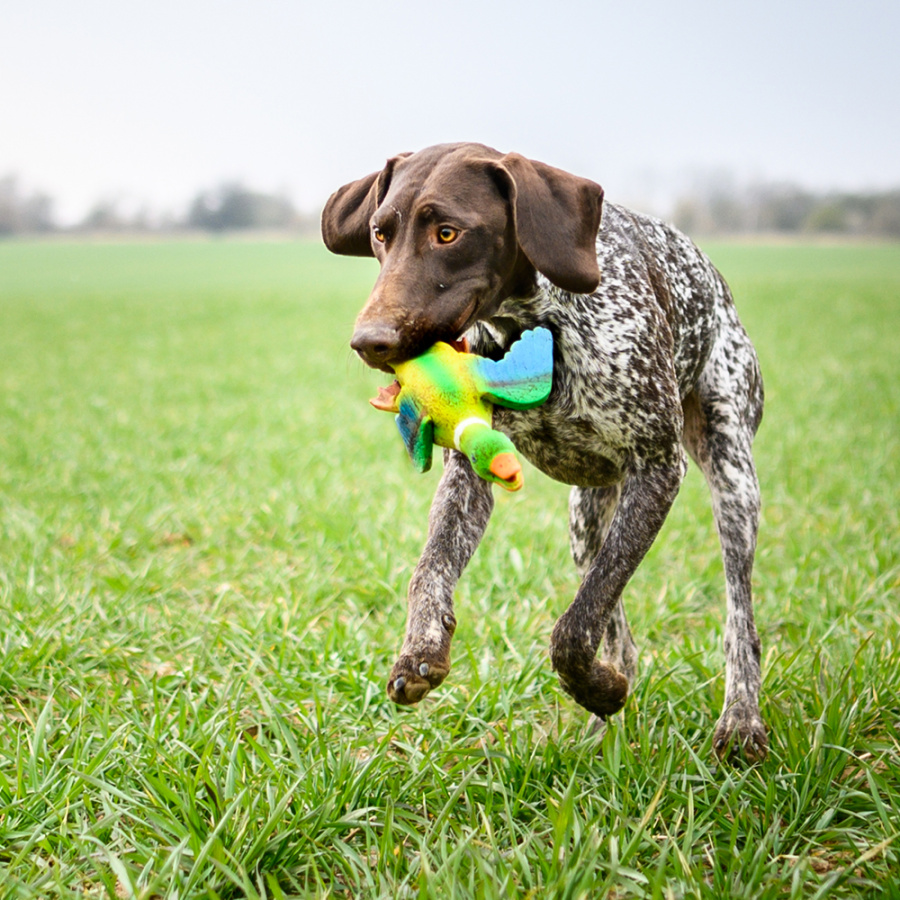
pixel 649 359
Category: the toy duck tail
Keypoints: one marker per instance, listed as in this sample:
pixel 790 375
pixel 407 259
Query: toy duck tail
pixel 524 377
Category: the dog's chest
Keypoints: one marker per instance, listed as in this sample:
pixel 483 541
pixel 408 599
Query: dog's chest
pixel 615 396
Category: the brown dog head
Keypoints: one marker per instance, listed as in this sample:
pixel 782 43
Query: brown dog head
pixel 458 228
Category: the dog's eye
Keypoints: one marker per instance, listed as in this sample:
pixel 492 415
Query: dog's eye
pixel 380 236
pixel 446 234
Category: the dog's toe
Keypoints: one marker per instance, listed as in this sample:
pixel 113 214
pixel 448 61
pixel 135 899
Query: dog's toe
pixel 741 737
pixel 411 679
pixel 406 692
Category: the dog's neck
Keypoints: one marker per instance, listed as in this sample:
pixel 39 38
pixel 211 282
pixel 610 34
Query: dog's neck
pixel 495 334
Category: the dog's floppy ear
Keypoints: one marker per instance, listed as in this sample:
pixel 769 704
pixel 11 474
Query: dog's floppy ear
pixel 345 219
pixel 557 216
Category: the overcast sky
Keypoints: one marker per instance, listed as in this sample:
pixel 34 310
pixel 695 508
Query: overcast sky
pixel 151 101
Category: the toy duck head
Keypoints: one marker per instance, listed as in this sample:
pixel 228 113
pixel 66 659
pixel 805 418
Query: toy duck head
pixel 492 455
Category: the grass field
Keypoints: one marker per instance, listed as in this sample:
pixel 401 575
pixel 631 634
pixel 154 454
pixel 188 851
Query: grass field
pixel 206 540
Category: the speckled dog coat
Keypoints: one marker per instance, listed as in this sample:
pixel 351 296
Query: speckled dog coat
pixel 650 361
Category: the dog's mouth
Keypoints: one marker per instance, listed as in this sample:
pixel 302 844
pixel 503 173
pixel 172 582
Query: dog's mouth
pixel 465 320
pixel 455 335
pixel 460 345
pixel 384 346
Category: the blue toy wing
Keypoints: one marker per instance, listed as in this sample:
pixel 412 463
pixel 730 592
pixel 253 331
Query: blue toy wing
pixel 417 431
pixel 524 377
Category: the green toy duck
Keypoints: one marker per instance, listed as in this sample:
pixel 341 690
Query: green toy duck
pixel 445 397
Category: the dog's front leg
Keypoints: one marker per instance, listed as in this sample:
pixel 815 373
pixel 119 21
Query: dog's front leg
pixel 598 686
pixel 459 515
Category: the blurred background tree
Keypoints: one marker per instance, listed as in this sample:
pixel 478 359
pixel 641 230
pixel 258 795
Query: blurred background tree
pixel 22 212
pixel 232 207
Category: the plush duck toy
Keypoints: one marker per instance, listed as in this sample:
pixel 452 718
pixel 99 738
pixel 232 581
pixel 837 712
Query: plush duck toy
pixel 445 397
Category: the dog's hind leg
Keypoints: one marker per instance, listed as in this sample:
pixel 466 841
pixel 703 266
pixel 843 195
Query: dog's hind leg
pixel 590 514
pixel 591 511
pixel 721 417
pixel 600 685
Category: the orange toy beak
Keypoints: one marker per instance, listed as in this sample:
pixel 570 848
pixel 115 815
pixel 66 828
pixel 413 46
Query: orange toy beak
pixel 507 468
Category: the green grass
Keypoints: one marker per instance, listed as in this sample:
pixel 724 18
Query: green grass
pixel 206 540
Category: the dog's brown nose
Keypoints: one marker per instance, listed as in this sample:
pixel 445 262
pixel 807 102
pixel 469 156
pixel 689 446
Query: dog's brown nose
pixel 376 344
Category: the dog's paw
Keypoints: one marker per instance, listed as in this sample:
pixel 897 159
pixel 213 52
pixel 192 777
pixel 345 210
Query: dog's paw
pixel 741 736
pixel 601 689
pixel 423 664
pixel 414 676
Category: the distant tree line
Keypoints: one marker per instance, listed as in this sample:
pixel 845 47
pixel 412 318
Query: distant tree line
pixel 229 207
pixel 787 209
pixel 706 209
